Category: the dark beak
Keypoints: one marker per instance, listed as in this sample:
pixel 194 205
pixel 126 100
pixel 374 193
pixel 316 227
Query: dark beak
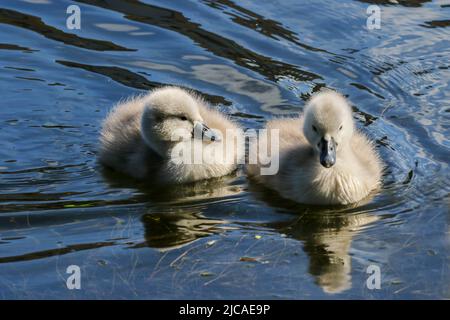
pixel 327 152
pixel 203 132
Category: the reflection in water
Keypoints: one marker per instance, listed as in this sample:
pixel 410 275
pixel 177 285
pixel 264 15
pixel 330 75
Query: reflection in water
pixel 217 44
pixel 437 24
pixel 131 79
pixel 157 66
pixel 326 234
pixel 36 24
pixel 219 188
pixel 177 220
pixel 406 3
pixel 254 21
pixel 121 75
pixel 54 252
pixel 230 79
pixel 7 46
pixel 327 239
pixel 171 230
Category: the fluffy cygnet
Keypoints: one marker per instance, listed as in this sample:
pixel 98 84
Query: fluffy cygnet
pixel 169 135
pixel 323 159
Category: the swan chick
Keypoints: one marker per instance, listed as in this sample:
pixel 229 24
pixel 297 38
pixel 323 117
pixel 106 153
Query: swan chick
pixel 323 158
pixel 169 135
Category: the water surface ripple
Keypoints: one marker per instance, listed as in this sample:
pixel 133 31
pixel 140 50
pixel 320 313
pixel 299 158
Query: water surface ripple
pixel 226 238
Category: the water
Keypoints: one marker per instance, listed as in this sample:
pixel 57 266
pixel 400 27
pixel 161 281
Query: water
pixel 226 238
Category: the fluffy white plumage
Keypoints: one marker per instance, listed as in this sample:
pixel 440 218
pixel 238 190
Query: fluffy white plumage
pixel 301 177
pixel 137 137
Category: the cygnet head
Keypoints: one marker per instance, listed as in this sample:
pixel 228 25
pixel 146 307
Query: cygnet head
pixel 328 125
pixel 171 115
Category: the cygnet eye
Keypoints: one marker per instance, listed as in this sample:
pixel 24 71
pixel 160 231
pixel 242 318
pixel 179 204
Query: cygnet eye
pixel 314 128
pixel 183 118
pixel 340 128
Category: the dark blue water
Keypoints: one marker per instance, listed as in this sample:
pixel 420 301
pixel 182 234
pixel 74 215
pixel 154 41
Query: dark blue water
pixel 227 238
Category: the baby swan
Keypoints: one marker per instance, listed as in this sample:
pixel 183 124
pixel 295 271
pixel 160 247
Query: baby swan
pixel 165 136
pixel 323 159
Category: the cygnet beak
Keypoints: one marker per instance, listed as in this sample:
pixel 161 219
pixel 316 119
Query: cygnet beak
pixel 203 132
pixel 327 152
